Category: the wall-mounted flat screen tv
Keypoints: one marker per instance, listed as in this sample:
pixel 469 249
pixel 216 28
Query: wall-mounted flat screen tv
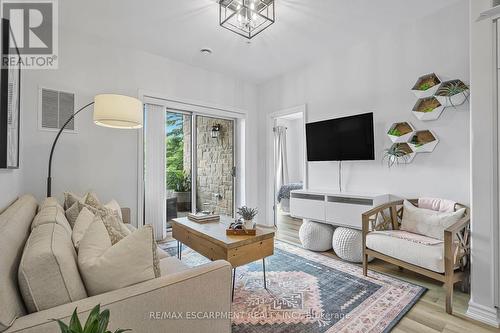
pixel 341 139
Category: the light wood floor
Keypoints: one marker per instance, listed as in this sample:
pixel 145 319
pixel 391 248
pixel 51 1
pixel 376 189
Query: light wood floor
pixel 428 315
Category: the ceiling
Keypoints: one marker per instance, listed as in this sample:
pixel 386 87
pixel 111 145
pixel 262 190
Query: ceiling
pixel 304 31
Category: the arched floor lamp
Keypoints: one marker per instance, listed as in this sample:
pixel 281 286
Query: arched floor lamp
pixel 115 111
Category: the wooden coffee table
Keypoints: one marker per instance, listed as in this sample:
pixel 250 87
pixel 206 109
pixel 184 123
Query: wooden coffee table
pixel 211 241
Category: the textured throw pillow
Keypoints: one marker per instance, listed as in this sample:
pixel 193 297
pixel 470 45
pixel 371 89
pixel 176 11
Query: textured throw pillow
pixel 72 213
pixel 105 267
pixel 116 229
pixel 92 200
pixel 83 222
pixel 113 205
pixel 70 198
pixel 427 222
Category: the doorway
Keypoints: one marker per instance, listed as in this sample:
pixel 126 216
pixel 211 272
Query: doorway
pixel 289 170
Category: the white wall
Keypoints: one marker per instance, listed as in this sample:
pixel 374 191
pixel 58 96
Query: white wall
pixel 484 158
pixel 103 159
pixel 10 186
pixel 294 148
pixel 376 76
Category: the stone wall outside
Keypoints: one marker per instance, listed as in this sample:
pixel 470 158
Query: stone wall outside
pixel 215 163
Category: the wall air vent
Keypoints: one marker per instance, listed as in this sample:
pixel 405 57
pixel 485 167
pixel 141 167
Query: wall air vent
pixel 55 107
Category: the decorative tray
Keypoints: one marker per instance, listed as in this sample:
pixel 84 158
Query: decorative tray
pixel 241 232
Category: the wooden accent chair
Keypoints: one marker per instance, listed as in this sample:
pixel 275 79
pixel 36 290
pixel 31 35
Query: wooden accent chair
pixel 447 262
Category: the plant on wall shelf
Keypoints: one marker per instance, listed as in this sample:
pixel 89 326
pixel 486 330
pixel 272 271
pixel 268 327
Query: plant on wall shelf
pixel 454 92
pixel 427 108
pixel 398 153
pixel 97 322
pixel 426 85
pixel 395 132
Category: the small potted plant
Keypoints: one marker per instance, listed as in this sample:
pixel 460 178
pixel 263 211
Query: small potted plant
pixel 398 153
pixel 97 322
pixel 452 93
pixel 400 132
pixel 426 85
pixel 423 141
pixel 427 109
pixel 248 214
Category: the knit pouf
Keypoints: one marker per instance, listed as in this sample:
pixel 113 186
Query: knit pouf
pixel 348 244
pixel 316 236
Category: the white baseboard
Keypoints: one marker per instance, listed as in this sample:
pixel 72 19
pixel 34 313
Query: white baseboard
pixel 484 314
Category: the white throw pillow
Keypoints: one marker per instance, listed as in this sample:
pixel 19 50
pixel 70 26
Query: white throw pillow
pixel 428 222
pixel 113 205
pixel 105 267
pixel 82 223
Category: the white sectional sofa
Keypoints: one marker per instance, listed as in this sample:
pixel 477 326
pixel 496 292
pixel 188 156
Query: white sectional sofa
pixel 31 298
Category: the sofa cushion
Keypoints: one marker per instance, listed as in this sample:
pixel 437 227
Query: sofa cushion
pixel 49 213
pixel 428 222
pixel 172 265
pixel 49 202
pixel 107 267
pixel 48 273
pixel 15 223
pixel 413 252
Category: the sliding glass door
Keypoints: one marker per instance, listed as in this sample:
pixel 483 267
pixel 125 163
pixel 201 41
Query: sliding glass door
pixel 199 179
pixel 178 143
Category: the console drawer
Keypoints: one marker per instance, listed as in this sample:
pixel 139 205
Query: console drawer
pixel 346 213
pixel 308 206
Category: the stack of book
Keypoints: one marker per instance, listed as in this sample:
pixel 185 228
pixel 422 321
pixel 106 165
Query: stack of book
pixel 203 218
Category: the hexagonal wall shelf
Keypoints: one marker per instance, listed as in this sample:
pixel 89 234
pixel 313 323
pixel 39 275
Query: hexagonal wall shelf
pixel 427 109
pixel 409 153
pixel 426 85
pixel 423 141
pixel 400 132
pixel 452 93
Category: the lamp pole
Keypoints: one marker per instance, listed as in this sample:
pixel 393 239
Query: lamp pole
pixel 49 178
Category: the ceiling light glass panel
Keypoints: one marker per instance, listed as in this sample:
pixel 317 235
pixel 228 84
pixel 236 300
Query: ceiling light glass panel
pixel 247 18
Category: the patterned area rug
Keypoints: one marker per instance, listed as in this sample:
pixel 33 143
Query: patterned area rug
pixel 308 292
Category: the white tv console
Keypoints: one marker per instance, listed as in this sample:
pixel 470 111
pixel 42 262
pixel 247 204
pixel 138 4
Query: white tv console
pixel 342 209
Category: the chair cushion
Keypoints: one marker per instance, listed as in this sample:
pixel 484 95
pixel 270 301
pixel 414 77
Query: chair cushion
pixel 15 223
pixel 428 222
pixel 107 267
pixel 413 252
pixel 170 265
pixel 48 272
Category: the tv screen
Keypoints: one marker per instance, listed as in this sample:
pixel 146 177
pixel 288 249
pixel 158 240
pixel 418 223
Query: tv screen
pixel 341 139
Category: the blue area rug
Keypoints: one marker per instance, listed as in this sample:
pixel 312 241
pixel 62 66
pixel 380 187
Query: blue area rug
pixel 308 292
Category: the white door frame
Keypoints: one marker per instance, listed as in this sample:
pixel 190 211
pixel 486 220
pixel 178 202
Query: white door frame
pixel 270 165
pixel 197 108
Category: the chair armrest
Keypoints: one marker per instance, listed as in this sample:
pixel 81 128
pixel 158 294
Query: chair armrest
pixel 372 214
pixel 457 245
pixel 457 226
pixel 126 215
pixel 149 306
